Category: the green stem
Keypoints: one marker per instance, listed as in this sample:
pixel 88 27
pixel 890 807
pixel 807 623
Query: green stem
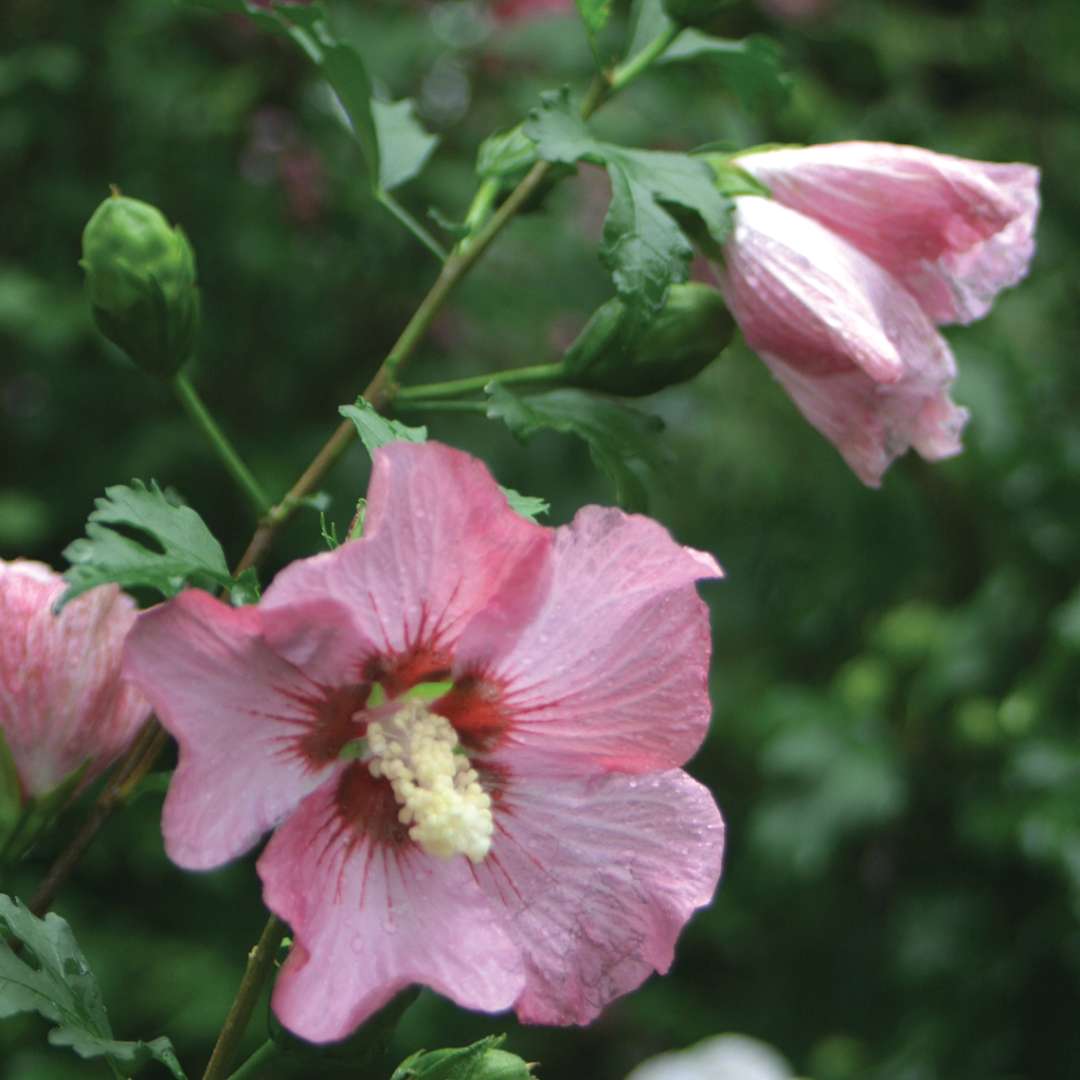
pixel 410 223
pixel 267 1052
pixel 536 373
pixel 382 388
pixel 260 965
pixel 224 449
pixel 480 208
pixel 626 73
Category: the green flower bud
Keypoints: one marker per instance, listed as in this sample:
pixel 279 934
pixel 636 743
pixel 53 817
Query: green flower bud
pixel 691 331
pixel 140 278
pixel 481 1061
pixel 694 12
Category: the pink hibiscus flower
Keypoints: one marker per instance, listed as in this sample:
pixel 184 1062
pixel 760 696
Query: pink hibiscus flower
pixel 63 703
pixel 955 232
pixel 853 348
pixel 525 840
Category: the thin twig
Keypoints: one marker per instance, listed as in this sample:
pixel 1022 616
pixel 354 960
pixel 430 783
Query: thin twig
pixel 260 964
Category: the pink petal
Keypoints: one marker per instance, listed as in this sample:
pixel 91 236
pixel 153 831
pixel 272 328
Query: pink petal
pixel 598 876
pixel 372 914
pixel 440 541
pixel 612 669
pixel 954 231
pixel 817 311
pixel 256 733
pixel 62 699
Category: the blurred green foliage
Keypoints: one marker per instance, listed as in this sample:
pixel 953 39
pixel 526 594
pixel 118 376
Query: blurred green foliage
pixel 896 680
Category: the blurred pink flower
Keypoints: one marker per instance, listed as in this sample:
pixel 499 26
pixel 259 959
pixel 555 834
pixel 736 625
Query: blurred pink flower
pixel 525 840
pixel 955 232
pixel 853 348
pixel 62 700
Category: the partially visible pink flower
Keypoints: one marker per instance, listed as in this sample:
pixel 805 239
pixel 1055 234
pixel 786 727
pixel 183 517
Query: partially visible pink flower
pixel 525 840
pixel 848 342
pixel 955 232
pixel 63 702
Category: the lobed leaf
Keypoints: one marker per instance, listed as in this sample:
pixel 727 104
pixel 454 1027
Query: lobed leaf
pixel 404 145
pixel 376 430
pixel 620 439
pixel 753 67
pixel 51 977
pixel 174 547
pixel 644 247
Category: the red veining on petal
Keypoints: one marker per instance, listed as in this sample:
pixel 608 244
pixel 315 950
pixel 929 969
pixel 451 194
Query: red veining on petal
pixel 475 707
pixel 330 722
pixel 367 806
pixel 397 672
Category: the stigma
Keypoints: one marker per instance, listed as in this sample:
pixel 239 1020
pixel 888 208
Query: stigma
pixel 439 792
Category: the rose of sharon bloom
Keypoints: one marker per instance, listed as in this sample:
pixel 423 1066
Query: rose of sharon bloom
pixel 853 348
pixel 955 232
pixel 527 839
pixel 63 703
pixel 723 1057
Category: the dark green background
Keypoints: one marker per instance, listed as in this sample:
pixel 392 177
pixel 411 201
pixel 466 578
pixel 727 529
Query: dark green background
pixel 895 676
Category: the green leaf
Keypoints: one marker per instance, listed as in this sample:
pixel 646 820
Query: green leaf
pixel 245 588
pixel 644 246
pixel 594 14
pixel 404 146
pixel 394 144
pixel 506 156
pixel 173 549
pixel 344 69
pixel 649 21
pixel 620 439
pixel 51 977
pixel 376 430
pixel 528 506
pixel 752 67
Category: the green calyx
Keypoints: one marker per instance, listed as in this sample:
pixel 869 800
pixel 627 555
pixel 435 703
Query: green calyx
pixel 481 1061
pixel 140 279
pixel 730 177
pixel 698 13
pixel 611 354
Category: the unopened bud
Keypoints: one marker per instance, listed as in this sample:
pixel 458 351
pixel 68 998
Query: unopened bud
pixel 481 1061
pixel 693 328
pixel 140 278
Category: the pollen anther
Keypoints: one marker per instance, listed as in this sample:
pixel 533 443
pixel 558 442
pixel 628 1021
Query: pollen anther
pixel 439 792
